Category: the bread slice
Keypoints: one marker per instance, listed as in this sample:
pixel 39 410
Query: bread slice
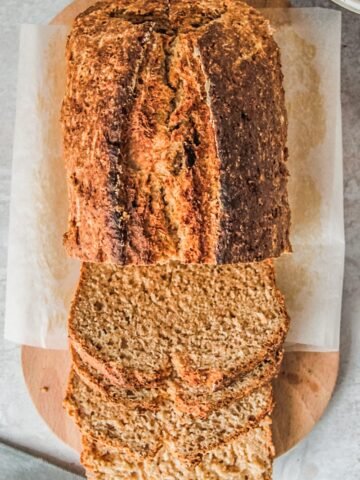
pixel 184 398
pixel 204 324
pixel 147 398
pixel 249 457
pixel 201 403
pixel 141 433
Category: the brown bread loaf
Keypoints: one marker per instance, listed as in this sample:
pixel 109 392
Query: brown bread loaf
pixel 174 132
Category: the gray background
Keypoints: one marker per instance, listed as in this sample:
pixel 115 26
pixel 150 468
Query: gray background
pixel 332 450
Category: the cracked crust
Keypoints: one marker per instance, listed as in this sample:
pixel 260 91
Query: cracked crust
pixel 174 134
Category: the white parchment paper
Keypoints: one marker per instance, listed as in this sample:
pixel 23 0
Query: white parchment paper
pixel 311 278
pixel 42 279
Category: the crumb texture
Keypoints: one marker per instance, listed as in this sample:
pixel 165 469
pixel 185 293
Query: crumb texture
pixel 247 458
pixel 205 324
pixel 141 433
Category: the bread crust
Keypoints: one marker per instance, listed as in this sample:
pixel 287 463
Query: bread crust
pixel 186 400
pixel 174 128
pixel 147 398
pixel 200 405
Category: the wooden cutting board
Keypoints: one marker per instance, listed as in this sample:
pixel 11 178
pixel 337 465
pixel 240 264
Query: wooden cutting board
pixel 302 390
pixel 302 393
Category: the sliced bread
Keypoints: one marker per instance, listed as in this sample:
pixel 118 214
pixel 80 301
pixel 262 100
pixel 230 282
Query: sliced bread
pixel 191 401
pixel 148 398
pixel 249 457
pixel 141 433
pixel 184 398
pixel 205 324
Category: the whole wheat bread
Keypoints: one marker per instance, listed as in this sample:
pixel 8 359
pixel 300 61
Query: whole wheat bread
pixel 175 134
pixel 201 403
pixel 148 398
pixel 140 433
pixel 183 398
pixel 249 457
pixel 205 324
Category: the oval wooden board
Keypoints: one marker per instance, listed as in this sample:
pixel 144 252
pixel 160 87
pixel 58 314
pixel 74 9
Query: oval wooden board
pixel 302 392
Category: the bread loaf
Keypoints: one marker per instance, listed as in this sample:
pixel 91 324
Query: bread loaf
pixel 249 457
pixel 174 134
pixel 175 130
pixel 204 324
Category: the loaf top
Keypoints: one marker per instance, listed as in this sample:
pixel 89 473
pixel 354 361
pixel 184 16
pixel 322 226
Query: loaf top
pixel 175 134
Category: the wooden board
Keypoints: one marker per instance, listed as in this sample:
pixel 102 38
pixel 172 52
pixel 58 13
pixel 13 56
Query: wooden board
pixel 302 393
pixel 45 373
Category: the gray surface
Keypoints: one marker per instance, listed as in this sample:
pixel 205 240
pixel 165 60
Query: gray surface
pixel 18 465
pixel 332 450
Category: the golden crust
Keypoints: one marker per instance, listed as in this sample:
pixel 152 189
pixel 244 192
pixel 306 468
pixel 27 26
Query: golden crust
pixel 174 134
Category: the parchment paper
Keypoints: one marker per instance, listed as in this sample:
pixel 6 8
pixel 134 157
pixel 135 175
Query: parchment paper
pixel 41 279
